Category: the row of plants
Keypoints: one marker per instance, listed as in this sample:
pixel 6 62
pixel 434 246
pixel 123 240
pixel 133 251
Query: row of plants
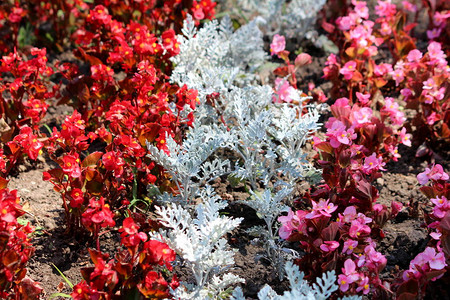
pixel 159 95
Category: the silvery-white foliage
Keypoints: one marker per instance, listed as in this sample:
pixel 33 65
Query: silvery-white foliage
pixel 188 163
pixel 292 132
pixel 300 288
pixel 269 206
pixel 214 57
pixel 199 242
pixel 293 18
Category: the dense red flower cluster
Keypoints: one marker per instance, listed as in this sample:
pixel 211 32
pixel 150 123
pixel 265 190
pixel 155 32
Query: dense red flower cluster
pixel 15 248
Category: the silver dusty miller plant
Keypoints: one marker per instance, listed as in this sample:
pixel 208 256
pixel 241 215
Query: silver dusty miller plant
pixel 199 242
pixel 293 18
pixel 188 163
pixel 215 57
pixel 300 288
pixel 266 137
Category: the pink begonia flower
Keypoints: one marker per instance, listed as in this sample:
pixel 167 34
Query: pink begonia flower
pixel 373 163
pixel 357 229
pixel 435 260
pixel 396 207
pixel 286 225
pixel 439 19
pixel 362 116
pixel 293 221
pixel 436 235
pixel 361 218
pixel 414 55
pixel 348 69
pixel 393 150
pixel 426 261
pixel 392 109
pixel 348 215
pixel 431 119
pixel 345 23
pixel 437 57
pixel 329 246
pixel 406 93
pixel 385 29
pixel 363 285
pixel 323 208
pixel 405 138
pixel 363 98
pixel 377 207
pixel 278 44
pixel 429 84
pixel 374 259
pixel 434 33
pixel 386 9
pixel 349 246
pixel 339 135
pixel 284 92
pixel 441 208
pixel 382 69
pixel 355 150
pixel 435 173
pixel 409 6
pixel 398 75
pixel 350 275
pixel 435 51
pixel 361 9
pixel 302 59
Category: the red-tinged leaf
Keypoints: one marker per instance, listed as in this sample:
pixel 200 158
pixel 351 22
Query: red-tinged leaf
pixel 328 27
pixel 404 44
pixel 408 290
pixel 344 158
pixel 284 55
pixel 83 93
pixel 351 52
pixel 445 242
pixel 331 263
pixel 28 288
pixel 409 27
pixel 357 77
pixel 329 233
pixel 149 134
pixel 281 71
pixel 325 147
pixel 86 273
pixel 90 174
pixel 445 133
pixel 92 159
pixel 330 179
pixel 9 258
pixel 3 183
pixel 407 296
pixel 445 223
pixel 94 187
pixel 379 82
pixel 55 174
pixel 432 274
pixel 422 151
pixel 365 189
pixel 428 191
pixel 14 147
pixel 97 255
pixel 88 58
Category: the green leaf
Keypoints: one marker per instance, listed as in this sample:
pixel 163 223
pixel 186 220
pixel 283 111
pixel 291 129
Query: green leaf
pixel 63 276
pixel 52 296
